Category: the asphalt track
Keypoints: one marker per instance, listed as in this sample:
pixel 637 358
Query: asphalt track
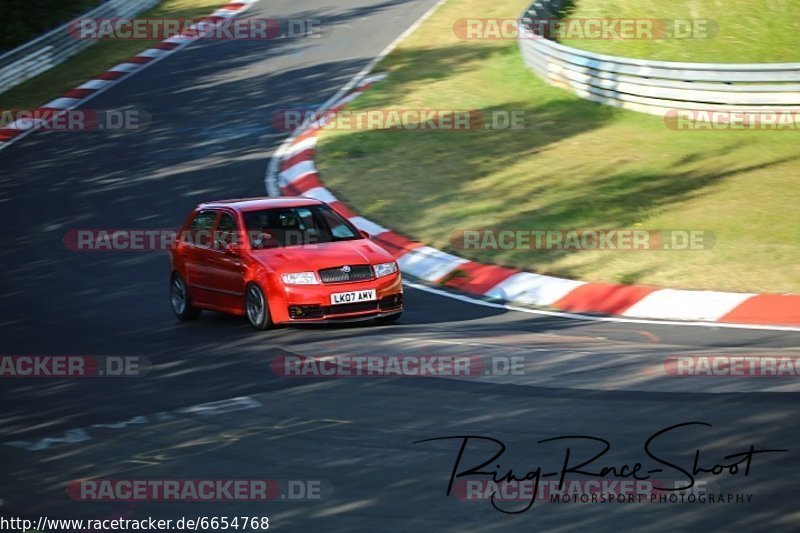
pixel 211 138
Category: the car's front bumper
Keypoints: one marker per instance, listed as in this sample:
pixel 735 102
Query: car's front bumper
pixel 312 303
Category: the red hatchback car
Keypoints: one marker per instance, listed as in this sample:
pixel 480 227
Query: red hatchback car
pixel 281 261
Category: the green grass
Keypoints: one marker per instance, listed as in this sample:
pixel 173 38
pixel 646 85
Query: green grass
pixel 576 165
pixel 96 59
pixel 750 31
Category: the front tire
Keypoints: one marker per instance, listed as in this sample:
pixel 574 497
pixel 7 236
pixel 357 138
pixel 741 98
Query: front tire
pixel 180 301
pixel 257 308
pixel 391 319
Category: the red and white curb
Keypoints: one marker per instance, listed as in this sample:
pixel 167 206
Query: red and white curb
pixel 293 173
pixel 78 96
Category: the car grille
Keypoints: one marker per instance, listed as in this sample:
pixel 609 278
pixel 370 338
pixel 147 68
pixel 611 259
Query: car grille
pixel 337 275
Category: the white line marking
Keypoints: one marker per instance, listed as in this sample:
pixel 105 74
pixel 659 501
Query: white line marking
pixel 272 168
pixel 385 52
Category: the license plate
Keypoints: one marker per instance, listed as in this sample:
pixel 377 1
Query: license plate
pixel 352 297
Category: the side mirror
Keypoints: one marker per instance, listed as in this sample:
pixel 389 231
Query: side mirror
pixel 233 248
pixel 364 234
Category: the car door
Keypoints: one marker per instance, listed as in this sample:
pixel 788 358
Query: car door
pixel 197 250
pixel 226 271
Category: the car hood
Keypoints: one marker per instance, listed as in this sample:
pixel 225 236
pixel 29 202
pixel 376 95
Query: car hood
pixel 319 256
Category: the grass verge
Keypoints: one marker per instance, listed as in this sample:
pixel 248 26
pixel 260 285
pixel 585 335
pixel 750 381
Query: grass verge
pixel 749 31
pixel 576 164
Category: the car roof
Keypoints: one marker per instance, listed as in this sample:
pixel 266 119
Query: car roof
pixel 254 204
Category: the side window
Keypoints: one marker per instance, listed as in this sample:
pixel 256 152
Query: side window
pixel 226 231
pixel 199 232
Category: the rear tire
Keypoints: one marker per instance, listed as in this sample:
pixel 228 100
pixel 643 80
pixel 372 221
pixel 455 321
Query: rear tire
pixel 391 319
pixel 180 301
pixel 256 308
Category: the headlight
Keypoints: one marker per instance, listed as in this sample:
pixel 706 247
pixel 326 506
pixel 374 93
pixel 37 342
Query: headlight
pixel 299 278
pixel 384 269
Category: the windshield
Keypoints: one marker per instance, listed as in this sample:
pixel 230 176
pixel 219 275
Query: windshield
pixel 296 226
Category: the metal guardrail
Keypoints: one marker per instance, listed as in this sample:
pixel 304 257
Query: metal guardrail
pixel 655 87
pixel 56 46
